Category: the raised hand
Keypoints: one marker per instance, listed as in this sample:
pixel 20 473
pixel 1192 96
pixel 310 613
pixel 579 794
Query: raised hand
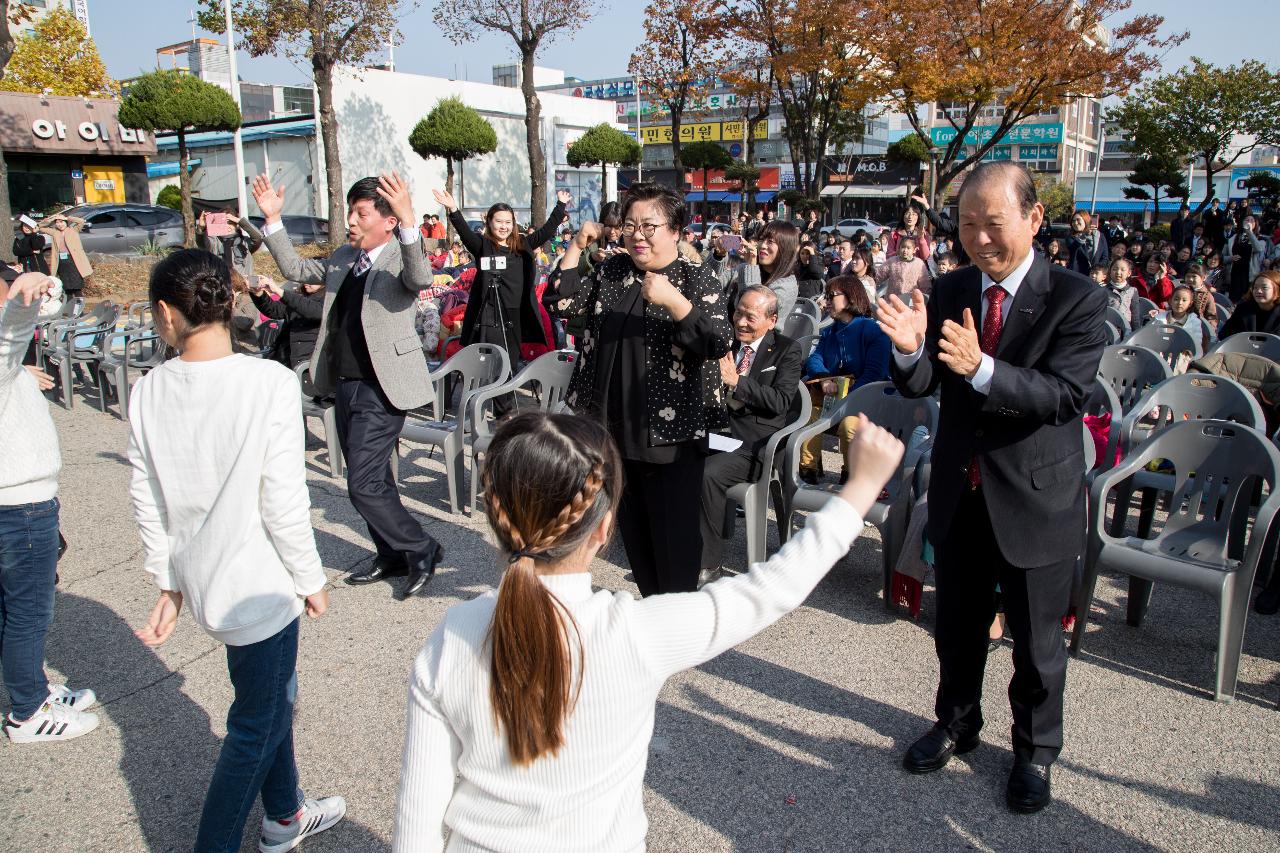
pixel 29 287
pixel 747 251
pixel 395 190
pixel 445 200
pixel 658 290
pixel 588 233
pixel 905 325
pixel 563 197
pixel 270 199
pixel 873 458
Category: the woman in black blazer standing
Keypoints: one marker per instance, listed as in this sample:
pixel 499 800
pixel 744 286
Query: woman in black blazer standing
pixel 503 305
pixel 656 326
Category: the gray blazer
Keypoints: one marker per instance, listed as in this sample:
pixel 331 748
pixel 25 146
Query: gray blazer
pixel 390 291
pixel 786 287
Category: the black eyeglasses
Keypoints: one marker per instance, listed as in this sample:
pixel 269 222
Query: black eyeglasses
pixel 646 229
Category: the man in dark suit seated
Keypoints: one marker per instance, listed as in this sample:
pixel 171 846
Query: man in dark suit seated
pixel 1014 343
pixel 762 379
pixel 843 265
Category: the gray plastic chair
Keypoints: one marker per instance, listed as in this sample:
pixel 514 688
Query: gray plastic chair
pixel 888 409
pixel 1145 307
pixel 1103 400
pixel 1203 544
pixel 67 346
pixel 140 350
pixel 328 415
pixel 754 497
pixel 474 368
pixel 549 374
pixel 1116 319
pixel 799 325
pixel 1250 343
pixel 1189 396
pixel 808 307
pixel 1131 370
pixel 1168 342
pixel 72 309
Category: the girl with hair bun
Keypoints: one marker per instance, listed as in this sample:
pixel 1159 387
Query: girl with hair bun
pixel 220 493
pixel 531 707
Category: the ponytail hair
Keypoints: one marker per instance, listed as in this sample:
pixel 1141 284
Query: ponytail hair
pixel 549 481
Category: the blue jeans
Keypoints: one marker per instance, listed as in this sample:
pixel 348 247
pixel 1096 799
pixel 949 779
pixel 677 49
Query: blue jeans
pixel 28 561
pixel 257 754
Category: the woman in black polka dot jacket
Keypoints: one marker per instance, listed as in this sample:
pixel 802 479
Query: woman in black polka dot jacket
pixel 656 325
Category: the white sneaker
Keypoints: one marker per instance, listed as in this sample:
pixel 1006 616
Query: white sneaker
pixel 54 721
pixel 79 700
pixel 316 816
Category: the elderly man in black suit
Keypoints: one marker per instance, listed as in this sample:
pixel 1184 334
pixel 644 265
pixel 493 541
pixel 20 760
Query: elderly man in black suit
pixel 762 384
pixel 1014 343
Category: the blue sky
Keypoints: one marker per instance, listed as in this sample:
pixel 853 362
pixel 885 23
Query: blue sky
pixel 128 31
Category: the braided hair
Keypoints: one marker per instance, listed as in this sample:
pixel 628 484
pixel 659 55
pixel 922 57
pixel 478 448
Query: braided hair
pixel 549 481
pixel 195 283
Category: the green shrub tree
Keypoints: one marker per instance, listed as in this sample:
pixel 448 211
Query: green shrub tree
pixel 604 146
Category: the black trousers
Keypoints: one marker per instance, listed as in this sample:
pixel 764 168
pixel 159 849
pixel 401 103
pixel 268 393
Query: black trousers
pixel 722 471
pixel 368 429
pixel 658 520
pixel 1034 600
pixel 508 339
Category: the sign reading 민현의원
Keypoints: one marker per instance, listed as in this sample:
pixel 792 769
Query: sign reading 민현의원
pixel 982 134
pixel 711 131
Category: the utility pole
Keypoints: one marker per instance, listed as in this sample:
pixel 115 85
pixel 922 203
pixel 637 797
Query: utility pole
pixel 242 201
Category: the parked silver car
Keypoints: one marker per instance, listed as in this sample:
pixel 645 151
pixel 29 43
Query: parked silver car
pixel 121 229
pixel 849 227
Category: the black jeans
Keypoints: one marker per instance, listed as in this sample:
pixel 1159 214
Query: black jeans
pixel 722 471
pixel 368 430
pixel 658 519
pixel 969 567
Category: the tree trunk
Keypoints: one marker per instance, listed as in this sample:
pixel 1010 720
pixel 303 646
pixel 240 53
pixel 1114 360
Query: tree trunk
pixel 332 161
pixel 604 183
pixel 448 187
pixel 184 181
pixel 706 208
pixel 677 119
pixel 533 137
pixel 6 214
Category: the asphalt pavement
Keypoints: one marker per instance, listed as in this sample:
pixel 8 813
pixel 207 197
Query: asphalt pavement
pixel 790 742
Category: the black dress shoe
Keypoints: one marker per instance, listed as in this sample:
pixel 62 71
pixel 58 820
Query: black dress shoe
pixel 382 568
pixel 934 750
pixel 422 568
pixel 1028 790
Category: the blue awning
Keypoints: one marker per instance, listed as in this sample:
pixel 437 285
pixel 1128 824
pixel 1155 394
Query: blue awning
pixel 712 195
pixel 165 170
pixel 1125 206
pixel 765 195
pixel 274 129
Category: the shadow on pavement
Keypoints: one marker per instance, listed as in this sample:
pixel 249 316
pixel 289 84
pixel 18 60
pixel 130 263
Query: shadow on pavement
pixel 168 749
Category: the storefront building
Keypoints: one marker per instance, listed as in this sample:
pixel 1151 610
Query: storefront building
pixel 66 151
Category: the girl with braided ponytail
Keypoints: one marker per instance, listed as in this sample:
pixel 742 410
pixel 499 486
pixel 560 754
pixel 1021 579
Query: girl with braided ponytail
pixel 531 707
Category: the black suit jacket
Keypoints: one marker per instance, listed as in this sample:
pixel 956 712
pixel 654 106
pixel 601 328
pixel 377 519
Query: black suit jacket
pixel 769 393
pixel 1027 431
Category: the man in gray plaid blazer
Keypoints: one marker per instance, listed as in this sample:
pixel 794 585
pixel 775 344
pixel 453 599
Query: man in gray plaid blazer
pixel 369 357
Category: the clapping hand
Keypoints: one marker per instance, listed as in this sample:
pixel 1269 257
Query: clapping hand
pixel 445 200
pixel 959 348
pixel 658 290
pixel 395 190
pixel 270 199
pixel 905 325
pixel 729 370
pixel 873 458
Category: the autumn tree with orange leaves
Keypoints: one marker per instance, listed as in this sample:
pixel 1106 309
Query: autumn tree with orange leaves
pixel 963 56
pixel 673 63
pixel 819 66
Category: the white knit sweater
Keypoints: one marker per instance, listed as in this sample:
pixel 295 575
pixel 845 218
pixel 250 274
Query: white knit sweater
pixel 457 777
pixel 32 459
pixel 220 492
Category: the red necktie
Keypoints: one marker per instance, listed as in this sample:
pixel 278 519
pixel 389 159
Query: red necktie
pixel 992 325
pixel 744 360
